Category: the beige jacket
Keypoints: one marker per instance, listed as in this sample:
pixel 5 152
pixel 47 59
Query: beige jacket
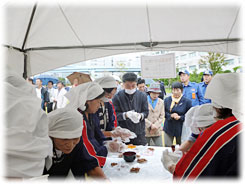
pixel 155 117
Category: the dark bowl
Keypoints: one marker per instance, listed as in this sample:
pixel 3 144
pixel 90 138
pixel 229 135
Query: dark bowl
pixel 129 156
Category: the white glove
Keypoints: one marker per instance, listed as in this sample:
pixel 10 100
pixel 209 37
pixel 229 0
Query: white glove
pixel 134 116
pixel 123 133
pixel 170 158
pixel 115 145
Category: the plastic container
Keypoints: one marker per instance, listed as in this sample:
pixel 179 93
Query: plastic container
pixel 129 156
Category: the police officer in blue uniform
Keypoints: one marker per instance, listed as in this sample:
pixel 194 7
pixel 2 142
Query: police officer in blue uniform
pixel 191 90
pixel 207 77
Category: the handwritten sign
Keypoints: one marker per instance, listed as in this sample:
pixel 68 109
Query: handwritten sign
pixel 162 66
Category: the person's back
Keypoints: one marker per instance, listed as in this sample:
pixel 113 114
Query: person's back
pixel 215 152
pixel 163 91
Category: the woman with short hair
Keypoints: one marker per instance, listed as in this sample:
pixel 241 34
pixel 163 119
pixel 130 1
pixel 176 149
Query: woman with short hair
pixel 176 107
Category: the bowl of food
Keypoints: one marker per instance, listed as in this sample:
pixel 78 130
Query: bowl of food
pixel 129 156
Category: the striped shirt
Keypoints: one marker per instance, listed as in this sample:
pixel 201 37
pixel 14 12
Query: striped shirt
pixel 214 154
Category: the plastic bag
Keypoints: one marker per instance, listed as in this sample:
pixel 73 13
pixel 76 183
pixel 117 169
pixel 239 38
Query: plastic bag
pixel 170 158
pixel 123 133
pixel 116 145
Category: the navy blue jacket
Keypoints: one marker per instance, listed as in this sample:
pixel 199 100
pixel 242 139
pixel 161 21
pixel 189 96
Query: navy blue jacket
pixel 138 102
pixel 78 161
pixel 171 126
pixel 110 118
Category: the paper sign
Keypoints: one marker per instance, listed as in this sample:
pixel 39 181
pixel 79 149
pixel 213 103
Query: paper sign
pixel 155 67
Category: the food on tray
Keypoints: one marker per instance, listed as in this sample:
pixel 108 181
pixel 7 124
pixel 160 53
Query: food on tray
pixel 138 156
pixel 141 160
pixel 120 156
pixel 113 164
pixel 135 169
pixel 151 149
pixel 131 146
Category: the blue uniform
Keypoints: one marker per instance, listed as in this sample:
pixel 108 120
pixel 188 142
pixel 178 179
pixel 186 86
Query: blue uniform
pixel 193 92
pixel 203 88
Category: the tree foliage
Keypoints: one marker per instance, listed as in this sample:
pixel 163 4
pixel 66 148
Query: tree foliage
pixel 214 61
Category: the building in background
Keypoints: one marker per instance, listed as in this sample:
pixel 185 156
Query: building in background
pixel 117 64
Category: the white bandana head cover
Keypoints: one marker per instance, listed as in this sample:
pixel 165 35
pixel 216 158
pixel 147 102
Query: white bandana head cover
pixel 65 123
pixel 26 129
pixel 204 115
pixel 79 95
pixel 225 91
pixel 199 116
pixel 189 120
pixel 106 82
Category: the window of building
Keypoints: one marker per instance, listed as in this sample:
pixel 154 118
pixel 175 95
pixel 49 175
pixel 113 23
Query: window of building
pixel 202 66
pixel 183 57
pixel 192 54
pixel 230 61
pixel 192 67
pixel 177 58
pixel 182 68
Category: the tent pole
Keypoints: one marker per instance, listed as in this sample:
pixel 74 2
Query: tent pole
pixel 25 39
pixel 25 65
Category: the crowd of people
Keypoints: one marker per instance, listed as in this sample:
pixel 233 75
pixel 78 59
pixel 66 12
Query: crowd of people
pixel 54 131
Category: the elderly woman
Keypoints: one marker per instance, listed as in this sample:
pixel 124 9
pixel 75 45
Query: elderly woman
pixel 176 107
pixel 154 120
pixel 65 130
pixel 215 152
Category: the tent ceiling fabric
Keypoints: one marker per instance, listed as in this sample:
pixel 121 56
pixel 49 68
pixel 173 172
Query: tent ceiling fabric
pixel 62 34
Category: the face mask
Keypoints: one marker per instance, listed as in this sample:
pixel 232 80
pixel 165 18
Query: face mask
pixel 130 91
pixel 104 99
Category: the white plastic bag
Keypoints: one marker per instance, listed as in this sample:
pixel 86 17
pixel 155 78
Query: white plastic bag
pixel 123 133
pixel 115 145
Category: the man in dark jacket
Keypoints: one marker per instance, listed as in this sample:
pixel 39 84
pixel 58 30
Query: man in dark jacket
pixel 42 93
pixel 131 108
pixel 163 91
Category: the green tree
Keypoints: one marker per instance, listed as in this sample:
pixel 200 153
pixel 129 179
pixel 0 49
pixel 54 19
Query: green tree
pixel 236 68
pixel 215 62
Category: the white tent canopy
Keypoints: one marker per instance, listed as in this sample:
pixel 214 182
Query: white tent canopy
pixel 41 37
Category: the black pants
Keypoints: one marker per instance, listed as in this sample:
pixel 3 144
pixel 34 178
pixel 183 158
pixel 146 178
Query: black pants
pixel 50 106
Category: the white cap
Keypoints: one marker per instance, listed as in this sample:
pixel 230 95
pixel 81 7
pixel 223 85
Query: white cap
pixel 189 120
pixel 82 93
pixel 204 115
pixel 225 91
pixel 65 123
pixel 106 82
pixel 117 78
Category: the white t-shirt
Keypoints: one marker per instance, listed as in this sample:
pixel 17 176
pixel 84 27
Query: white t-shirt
pixel 39 93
